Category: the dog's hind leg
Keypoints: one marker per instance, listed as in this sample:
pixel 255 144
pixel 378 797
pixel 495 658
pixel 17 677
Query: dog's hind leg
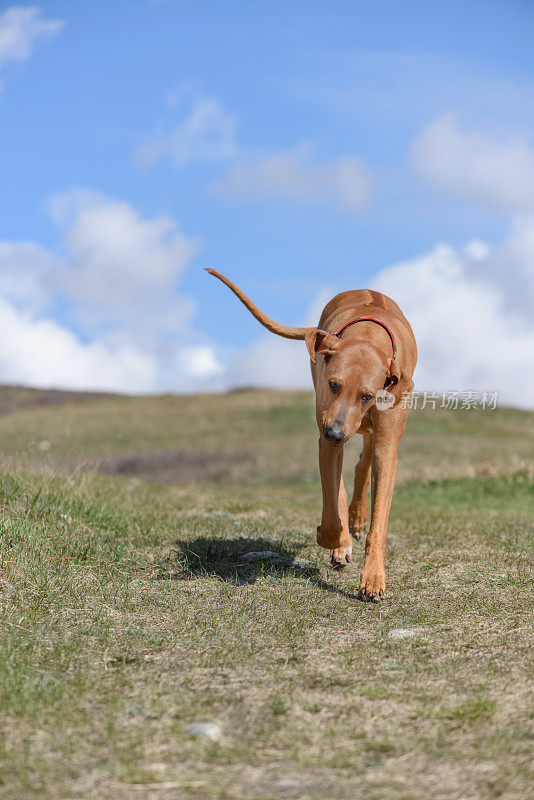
pixel 342 555
pixel 362 473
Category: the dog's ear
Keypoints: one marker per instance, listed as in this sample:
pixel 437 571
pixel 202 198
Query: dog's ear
pixel 320 342
pixel 393 376
pixel 396 382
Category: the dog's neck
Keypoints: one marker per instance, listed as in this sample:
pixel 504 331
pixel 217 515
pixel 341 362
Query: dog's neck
pixel 353 326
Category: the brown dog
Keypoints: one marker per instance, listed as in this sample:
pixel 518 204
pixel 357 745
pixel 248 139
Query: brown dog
pixel 365 346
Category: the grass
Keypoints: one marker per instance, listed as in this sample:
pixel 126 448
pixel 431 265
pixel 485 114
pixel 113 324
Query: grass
pixel 128 611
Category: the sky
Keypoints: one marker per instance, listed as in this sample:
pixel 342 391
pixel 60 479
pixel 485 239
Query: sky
pixel 301 148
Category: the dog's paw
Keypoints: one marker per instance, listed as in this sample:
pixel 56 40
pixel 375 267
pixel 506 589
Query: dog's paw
pixel 372 584
pixel 357 520
pixel 340 557
pixel 357 531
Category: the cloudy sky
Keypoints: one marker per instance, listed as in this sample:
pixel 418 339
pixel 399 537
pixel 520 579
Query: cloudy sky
pixel 301 148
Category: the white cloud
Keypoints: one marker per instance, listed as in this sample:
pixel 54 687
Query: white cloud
pixel 117 277
pixel 509 268
pixel 271 362
pixel 39 352
pixel 122 271
pixel 470 333
pixel 471 312
pixel 473 165
pixel 206 134
pixel 342 183
pixel 24 267
pixel 20 29
pixel 199 361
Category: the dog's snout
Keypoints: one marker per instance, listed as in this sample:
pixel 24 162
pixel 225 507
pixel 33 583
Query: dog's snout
pixel 334 433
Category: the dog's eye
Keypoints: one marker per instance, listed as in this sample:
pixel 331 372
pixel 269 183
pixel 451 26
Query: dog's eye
pixel 366 398
pixel 334 387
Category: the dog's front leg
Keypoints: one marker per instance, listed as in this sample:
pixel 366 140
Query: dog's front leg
pixel 333 532
pixel 388 431
pixel 384 469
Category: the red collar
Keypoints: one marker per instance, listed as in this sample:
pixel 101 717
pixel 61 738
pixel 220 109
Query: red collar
pixel 371 319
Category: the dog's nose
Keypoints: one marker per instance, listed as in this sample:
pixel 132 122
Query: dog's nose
pixel 334 433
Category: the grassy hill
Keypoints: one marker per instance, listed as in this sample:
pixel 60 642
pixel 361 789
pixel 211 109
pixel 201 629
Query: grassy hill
pixel 129 612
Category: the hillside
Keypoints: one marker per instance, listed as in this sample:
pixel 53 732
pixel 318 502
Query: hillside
pixel 129 612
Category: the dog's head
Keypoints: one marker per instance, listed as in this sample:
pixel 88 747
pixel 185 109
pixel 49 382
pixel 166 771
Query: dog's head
pixel 350 373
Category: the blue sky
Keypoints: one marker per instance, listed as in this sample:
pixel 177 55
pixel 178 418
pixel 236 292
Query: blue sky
pixel 299 147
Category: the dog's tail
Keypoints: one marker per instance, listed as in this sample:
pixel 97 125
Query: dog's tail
pixel 270 324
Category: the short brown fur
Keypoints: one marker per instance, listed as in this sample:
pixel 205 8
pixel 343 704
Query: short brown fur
pixel 347 373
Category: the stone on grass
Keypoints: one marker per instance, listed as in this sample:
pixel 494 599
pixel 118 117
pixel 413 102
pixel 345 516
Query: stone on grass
pixel 401 633
pixel 302 563
pixel 208 730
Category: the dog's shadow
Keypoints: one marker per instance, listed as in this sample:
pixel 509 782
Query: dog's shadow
pixel 241 561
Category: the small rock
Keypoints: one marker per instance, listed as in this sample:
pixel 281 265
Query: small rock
pixel 44 445
pixel 401 633
pixel 208 730
pixel 262 555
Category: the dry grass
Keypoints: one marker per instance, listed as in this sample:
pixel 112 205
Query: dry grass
pixel 278 428
pixel 171 466
pixel 128 612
